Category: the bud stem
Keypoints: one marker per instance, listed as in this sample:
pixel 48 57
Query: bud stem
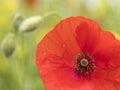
pixel 52 13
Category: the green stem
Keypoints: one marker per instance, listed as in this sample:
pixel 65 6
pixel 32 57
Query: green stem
pixel 14 71
pixel 23 62
pixel 52 13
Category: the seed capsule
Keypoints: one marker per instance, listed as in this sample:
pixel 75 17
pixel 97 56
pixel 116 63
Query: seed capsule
pixel 84 62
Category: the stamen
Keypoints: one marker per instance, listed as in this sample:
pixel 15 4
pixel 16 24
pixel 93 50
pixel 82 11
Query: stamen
pixel 84 64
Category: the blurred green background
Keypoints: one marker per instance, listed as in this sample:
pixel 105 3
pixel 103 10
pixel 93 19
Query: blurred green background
pixel 19 71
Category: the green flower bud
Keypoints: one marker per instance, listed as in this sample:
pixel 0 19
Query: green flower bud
pixel 8 45
pixel 30 24
pixel 17 19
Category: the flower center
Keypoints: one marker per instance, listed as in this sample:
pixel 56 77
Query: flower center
pixel 84 64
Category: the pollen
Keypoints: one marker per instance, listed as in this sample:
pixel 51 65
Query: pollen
pixel 84 64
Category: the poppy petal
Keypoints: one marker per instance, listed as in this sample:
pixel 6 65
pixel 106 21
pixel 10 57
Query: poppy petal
pixel 114 75
pixel 102 84
pixel 61 41
pixel 58 76
pixel 88 33
pixel 105 79
pixel 107 53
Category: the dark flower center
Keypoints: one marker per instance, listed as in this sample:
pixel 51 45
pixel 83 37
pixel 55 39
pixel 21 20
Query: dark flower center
pixel 84 64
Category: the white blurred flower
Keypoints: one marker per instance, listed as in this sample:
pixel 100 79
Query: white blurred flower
pixel 30 24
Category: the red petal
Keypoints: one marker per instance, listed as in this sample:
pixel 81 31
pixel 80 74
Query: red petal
pixel 58 76
pixel 107 53
pixel 88 33
pixel 107 60
pixel 105 79
pixel 114 75
pixel 102 84
pixel 61 41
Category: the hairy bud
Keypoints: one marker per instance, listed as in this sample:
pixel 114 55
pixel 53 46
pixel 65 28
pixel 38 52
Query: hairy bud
pixel 8 45
pixel 30 24
pixel 17 19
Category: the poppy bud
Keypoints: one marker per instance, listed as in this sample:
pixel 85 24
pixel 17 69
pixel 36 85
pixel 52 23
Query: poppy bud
pixel 17 19
pixel 8 45
pixel 30 24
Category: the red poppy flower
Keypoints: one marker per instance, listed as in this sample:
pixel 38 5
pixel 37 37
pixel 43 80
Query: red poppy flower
pixel 78 55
